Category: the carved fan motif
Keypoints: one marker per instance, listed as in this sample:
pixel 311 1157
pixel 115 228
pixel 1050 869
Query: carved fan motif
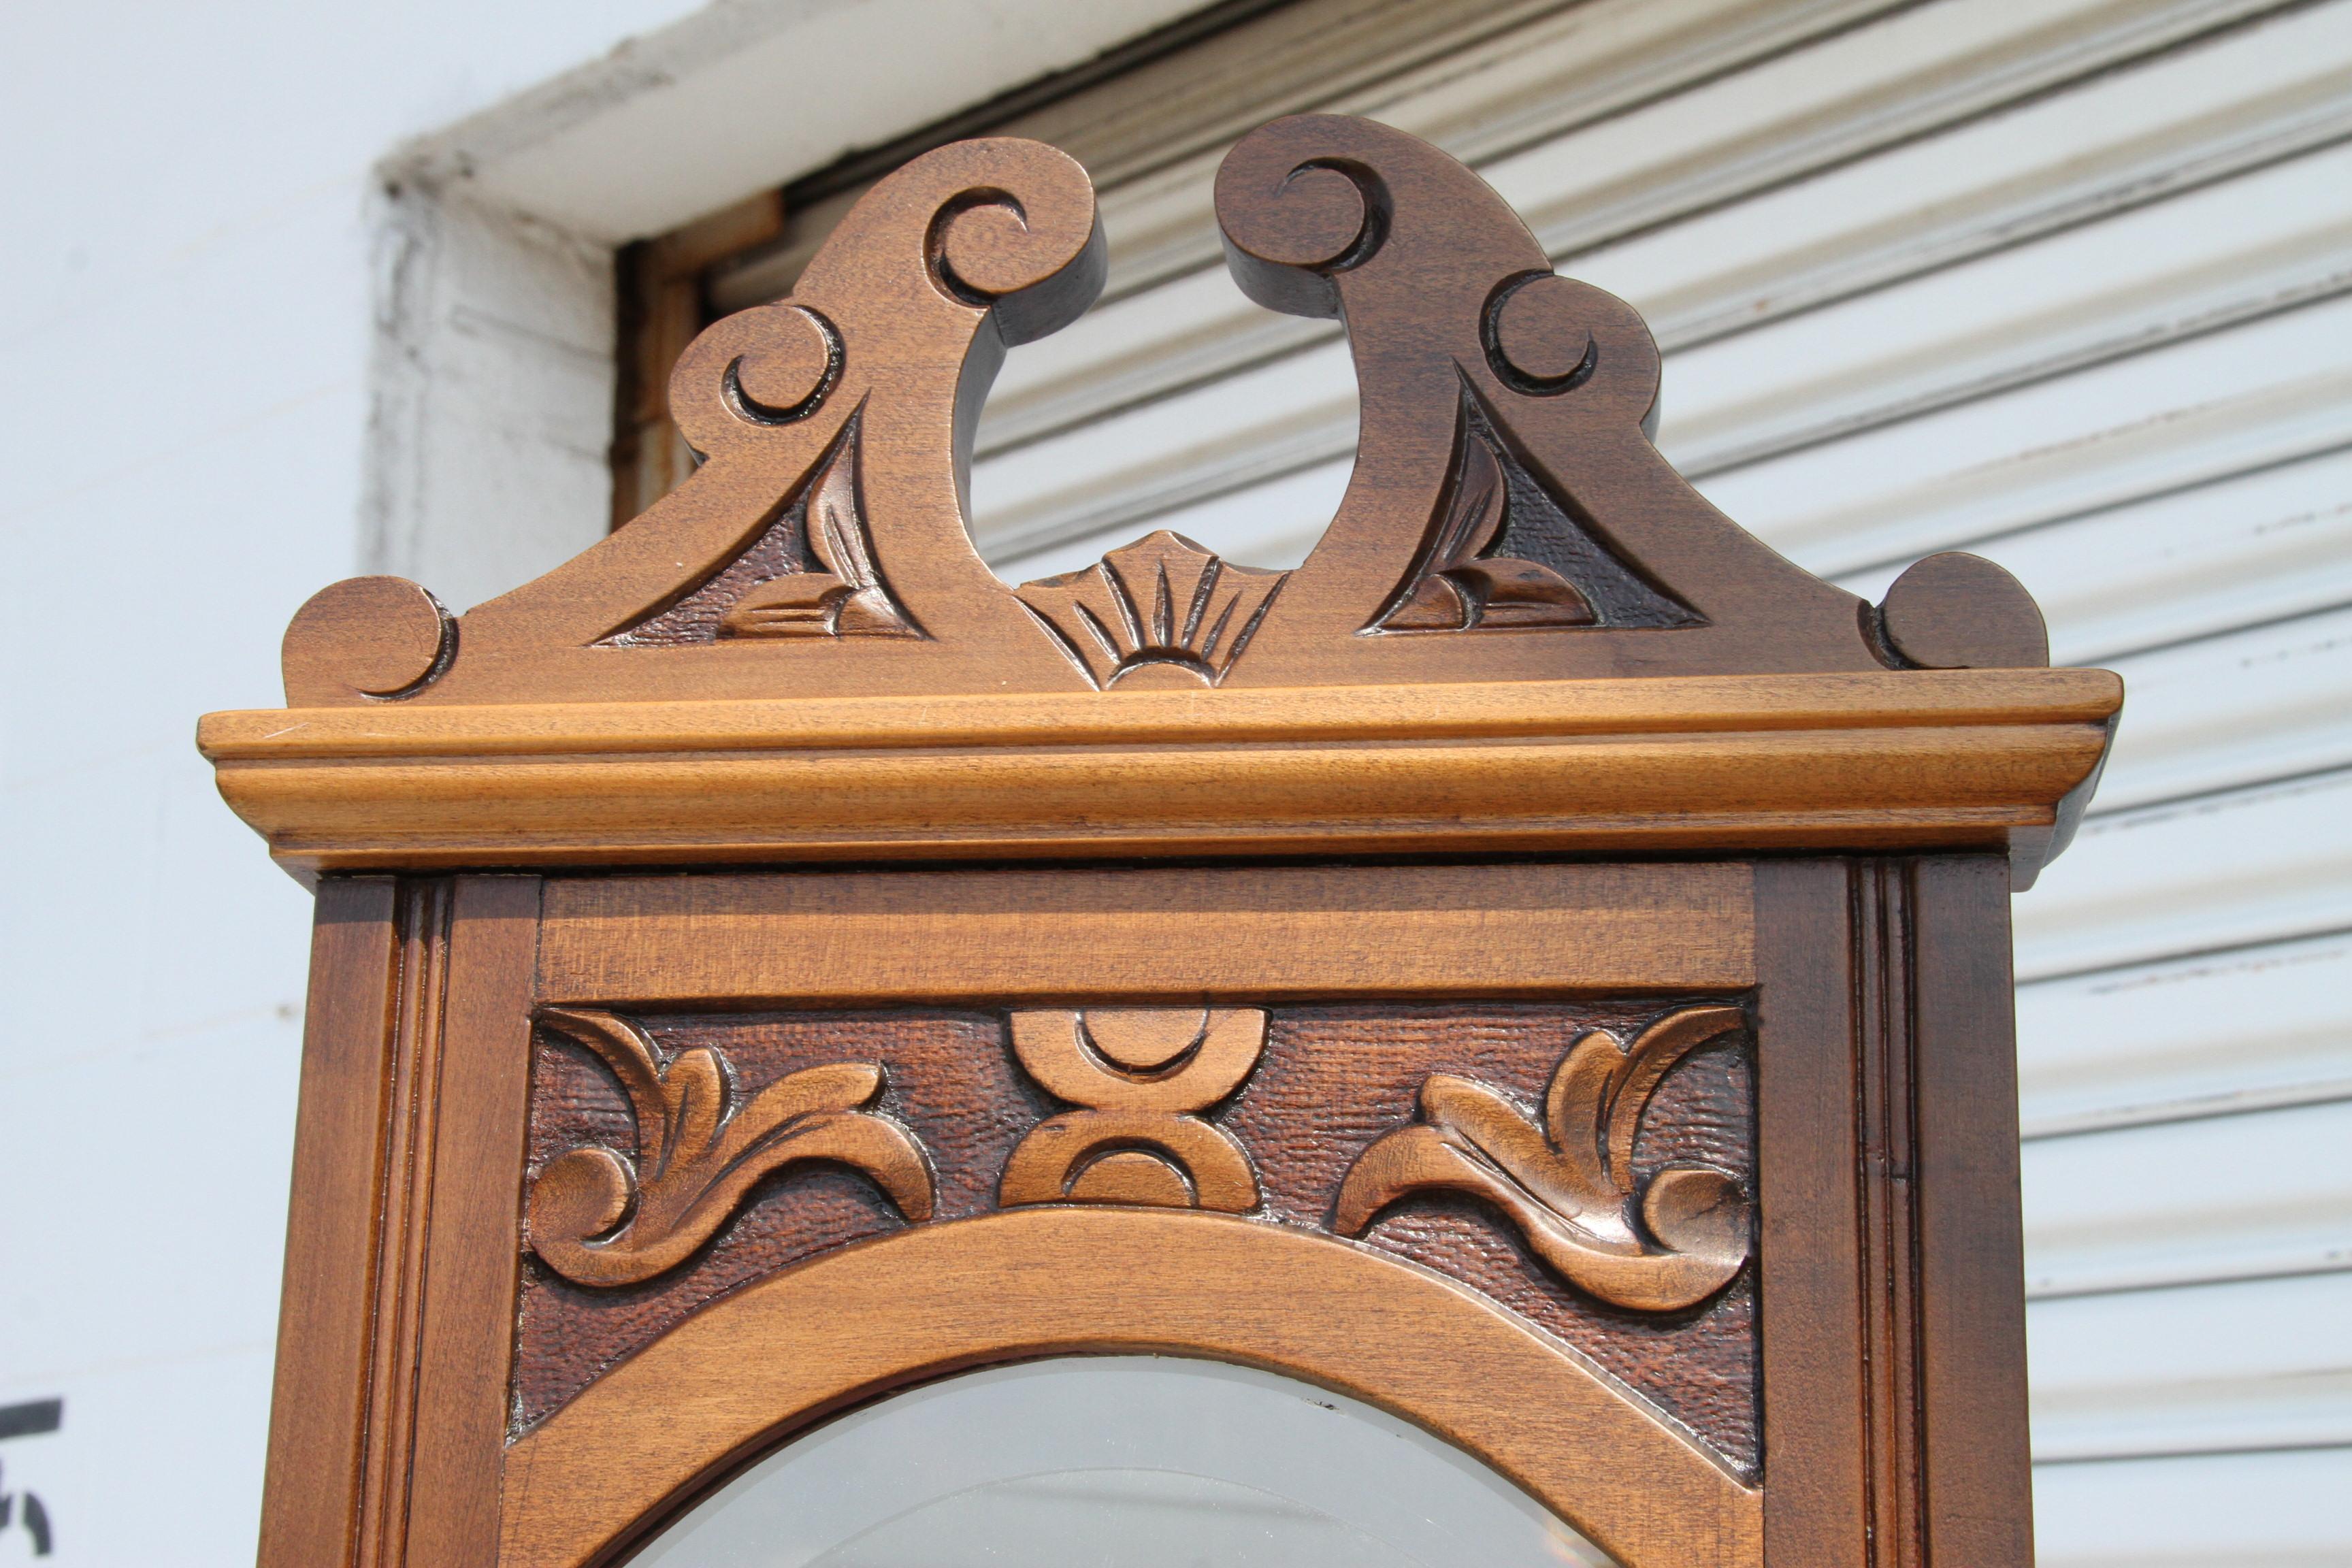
pixel 1567 1185
pixel 597 1219
pixel 1161 612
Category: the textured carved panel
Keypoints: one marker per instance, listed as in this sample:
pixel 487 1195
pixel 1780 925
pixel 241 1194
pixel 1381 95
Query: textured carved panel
pixel 1503 551
pixel 599 1216
pixel 1329 1084
pixel 1568 1183
pixel 1336 1078
pixel 949 1080
pixel 808 573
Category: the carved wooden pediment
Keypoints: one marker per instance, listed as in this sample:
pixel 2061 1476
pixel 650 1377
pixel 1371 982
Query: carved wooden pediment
pixel 1508 518
pixel 1511 544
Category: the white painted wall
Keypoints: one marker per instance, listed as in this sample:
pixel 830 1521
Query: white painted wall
pixel 197 265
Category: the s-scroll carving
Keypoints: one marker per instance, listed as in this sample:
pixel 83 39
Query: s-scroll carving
pixel 1568 1183
pixel 1142 1074
pixel 598 1218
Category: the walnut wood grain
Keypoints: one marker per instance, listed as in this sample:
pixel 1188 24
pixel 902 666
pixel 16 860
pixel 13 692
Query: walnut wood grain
pixel 1810 1251
pixel 1058 1280
pixel 1509 517
pixel 1441 286
pixel 464 1346
pixel 1246 935
pixel 1393 780
pixel 318 1420
pixel 1978 1506
pixel 1959 758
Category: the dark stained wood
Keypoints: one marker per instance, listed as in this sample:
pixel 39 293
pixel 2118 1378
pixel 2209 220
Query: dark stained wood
pixel 1440 284
pixel 1809 1255
pixel 1957 610
pixel 1978 1493
pixel 463 1354
pixel 1337 1079
pixel 949 1077
pixel 1090 1279
pixel 310 1499
pixel 1332 1082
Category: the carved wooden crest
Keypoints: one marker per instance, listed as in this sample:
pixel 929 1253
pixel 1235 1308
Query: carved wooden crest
pixel 1508 518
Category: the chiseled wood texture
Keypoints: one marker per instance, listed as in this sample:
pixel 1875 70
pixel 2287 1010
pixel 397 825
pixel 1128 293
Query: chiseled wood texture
pixel 949 1079
pixel 1508 518
pixel 1058 1280
pixel 1336 1078
pixel 1331 1080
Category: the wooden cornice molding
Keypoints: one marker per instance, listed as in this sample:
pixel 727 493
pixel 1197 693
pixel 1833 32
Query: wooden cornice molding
pixel 1952 759
pixel 1522 631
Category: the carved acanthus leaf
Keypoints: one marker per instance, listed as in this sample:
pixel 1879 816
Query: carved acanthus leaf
pixel 600 1219
pixel 1568 1184
pixel 1159 612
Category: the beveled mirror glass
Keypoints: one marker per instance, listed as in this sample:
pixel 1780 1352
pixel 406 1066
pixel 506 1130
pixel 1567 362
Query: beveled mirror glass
pixel 1118 1462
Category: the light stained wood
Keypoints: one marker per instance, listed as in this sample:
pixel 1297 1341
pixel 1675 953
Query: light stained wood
pixel 1257 934
pixel 310 1504
pixel 466 1232
pixel 1959 758
pixel 1062 1281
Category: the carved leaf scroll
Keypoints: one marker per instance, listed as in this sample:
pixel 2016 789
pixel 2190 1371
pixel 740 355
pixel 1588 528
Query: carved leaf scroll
pixel 597 1218
pixel 1568 1184
pixel 1161 612
pixel 840 593
pixel 1502 552
pixel 1140 1073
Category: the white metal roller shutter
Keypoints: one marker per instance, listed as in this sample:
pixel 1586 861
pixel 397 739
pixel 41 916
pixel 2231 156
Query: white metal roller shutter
pixel 2065 282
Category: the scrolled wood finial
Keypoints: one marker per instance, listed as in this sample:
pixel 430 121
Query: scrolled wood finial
pixel 1957 610
pixel 1288 225
pixel 1508 516
pixel 1038 274
pixel 366 637
pixel 770 365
